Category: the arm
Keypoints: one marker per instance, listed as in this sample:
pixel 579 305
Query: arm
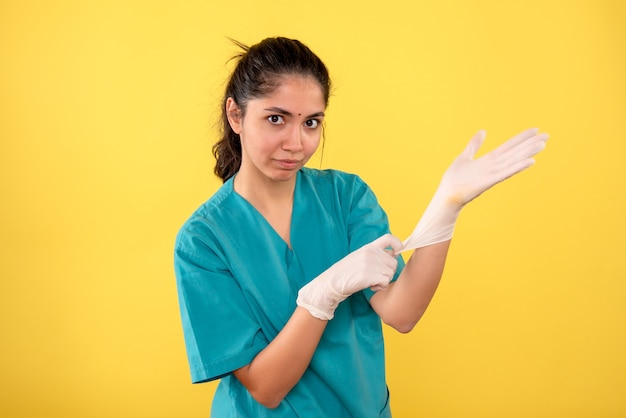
pixel 280 365
pixel 403 303
pixel 277 369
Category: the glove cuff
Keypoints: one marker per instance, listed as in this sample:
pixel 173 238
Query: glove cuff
pixel 321 303
pixel 436 224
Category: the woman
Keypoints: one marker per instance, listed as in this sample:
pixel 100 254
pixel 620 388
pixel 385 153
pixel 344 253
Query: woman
pixel 286 272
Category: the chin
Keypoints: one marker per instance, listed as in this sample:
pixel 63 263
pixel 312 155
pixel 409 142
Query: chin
pixel 282 176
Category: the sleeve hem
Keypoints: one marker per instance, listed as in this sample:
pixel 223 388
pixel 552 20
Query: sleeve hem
pixel 218 369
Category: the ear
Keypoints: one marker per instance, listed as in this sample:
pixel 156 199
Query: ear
pixel 233 113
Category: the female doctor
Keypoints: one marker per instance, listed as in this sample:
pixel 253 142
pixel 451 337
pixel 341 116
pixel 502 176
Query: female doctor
pixel 286 272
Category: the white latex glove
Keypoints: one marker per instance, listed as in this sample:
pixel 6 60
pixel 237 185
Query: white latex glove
pixel 467 178
pixel 372 265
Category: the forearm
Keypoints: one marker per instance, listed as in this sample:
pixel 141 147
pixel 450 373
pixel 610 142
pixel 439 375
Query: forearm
pixel 277 369
pixel 404 302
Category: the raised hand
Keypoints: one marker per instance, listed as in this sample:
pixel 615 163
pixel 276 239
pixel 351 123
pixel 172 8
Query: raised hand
pixel 467 178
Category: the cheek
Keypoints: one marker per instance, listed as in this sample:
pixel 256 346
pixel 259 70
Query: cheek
pixel 257 139
pixel 312 143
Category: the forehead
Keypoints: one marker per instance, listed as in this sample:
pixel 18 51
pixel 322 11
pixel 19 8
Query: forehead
pixel 294 90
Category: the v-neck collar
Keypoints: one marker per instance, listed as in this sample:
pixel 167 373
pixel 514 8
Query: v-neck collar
pixel 264 221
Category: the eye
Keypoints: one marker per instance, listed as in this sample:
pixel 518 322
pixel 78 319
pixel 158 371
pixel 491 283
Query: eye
pixel 312 123
pixel 276 120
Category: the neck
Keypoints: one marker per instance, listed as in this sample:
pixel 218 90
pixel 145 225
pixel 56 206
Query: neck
pixel 262 192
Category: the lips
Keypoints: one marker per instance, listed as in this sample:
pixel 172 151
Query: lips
pixel 288 164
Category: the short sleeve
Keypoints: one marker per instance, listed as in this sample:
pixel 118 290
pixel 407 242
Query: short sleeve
pixel 220 330
pixel 367 221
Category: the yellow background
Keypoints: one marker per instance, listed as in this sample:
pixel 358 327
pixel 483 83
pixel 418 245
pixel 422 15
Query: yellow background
pixel 106 121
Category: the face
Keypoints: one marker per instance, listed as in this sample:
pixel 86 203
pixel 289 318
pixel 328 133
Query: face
pixel 281 131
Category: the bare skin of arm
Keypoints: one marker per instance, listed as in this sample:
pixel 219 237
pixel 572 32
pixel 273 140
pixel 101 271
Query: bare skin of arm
pixel 403 302
pixel 277 369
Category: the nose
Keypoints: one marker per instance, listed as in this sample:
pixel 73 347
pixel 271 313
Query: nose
pixel 293 139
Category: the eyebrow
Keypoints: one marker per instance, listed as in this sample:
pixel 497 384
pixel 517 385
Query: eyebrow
pixel 288 113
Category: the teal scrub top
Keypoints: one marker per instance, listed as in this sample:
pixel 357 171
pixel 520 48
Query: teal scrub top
pixel 238 281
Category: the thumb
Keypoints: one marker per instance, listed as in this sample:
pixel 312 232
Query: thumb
pixel 388 241
pixel 475 143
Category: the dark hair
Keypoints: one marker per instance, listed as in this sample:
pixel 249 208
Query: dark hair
pixel 257 74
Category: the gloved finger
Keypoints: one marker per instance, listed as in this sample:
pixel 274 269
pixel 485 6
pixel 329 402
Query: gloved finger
pixel 393 253
pixel 381 265
pixel 521 160
pixel 386 242
pixel 382 261
pixel 526 149
pixel 512 169
pixel 381 282
pixel 388 265
pixel 475 143
pixel 515 141
pixel 379 287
